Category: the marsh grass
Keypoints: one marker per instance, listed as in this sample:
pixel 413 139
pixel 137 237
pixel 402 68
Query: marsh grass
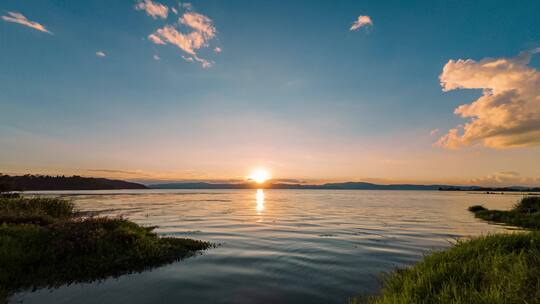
pixel 526 213
pixel 43 243
pixel 498 268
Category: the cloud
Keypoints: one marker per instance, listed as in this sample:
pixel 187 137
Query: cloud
pixel 434 132
pixel 155 39
pixel 508 112
pixel 362 21
pixel 186 5
pixel 200 30
pixel 506 178
pixel 199 23
pixel 100 54
pixel 21 19
pixel 153 9
pixel 217 50
pixel 156 57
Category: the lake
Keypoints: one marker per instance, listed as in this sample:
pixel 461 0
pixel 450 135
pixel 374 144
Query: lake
pixel 277 246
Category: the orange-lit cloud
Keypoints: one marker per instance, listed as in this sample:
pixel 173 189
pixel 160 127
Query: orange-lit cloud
pixel 201 32
pixel 362 21
pixel 21 19
pixel 153 9
pixel 199 23
pixel 508 112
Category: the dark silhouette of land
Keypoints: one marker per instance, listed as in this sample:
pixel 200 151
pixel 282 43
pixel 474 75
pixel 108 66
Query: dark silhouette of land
pixel 44 182
pixel 335 186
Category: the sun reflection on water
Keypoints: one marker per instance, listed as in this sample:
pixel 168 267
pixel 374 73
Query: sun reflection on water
pixel 259 197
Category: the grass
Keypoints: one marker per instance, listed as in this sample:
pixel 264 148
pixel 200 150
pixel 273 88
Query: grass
pixel 526 213
pixel 497 268
pixel 44 243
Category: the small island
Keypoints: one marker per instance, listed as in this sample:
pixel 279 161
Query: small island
pixel 46 242
pixel 496 268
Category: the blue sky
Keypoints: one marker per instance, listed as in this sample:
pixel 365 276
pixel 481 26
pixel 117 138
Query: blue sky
pixel 293 89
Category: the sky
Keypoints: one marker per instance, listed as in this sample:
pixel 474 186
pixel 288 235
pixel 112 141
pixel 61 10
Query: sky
pixel 312 91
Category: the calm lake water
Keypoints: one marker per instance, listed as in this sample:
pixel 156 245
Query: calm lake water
pixel 278 246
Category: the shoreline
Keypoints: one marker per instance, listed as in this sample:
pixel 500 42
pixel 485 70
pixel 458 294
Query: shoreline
pixel 494 268
pixel 45 242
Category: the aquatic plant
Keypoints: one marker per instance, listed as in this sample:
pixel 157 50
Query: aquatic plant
pixel 43 243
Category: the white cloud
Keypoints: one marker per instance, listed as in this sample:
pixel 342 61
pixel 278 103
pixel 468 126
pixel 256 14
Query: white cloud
pixel 100 54
pixel 21 19
pixel 200 31
pixel 153 9
pixel 156 57
pixel 362 21
pixel 508 112
pixel 217 50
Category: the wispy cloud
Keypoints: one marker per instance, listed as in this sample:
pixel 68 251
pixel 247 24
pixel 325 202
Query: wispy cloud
pixel 508 112
pixel 434 132
pixel 506 178
pixel 362 21
pixel 200 30
pixel 100 54
pixel 153 9
pixel 217 50
pixel 21 19
pixel 156 57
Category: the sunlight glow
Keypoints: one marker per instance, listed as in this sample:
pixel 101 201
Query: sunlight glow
pixel 259 176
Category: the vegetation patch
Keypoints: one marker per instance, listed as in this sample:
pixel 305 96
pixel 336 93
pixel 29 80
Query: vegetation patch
pixel 526 213
pixel 44 243
pixel 498 268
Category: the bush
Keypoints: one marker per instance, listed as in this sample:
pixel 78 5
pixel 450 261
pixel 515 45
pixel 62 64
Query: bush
pixel 40 211
pixel 476 208
pixel 526 213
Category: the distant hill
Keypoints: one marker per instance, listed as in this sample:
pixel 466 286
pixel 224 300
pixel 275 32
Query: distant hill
pixel 328 186
pixel 490 189
pixel 45 182
pixel 338 186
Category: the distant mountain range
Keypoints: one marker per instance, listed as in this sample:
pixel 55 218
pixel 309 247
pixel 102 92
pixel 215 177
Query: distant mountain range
pixel 336 186
pixel 44 182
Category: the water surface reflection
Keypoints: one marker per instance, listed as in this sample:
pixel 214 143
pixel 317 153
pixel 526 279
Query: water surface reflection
pixel 278 246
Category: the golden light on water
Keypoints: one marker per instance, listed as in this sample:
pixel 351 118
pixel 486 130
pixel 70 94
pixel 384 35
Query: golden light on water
pixel 259 176
pixel 259 197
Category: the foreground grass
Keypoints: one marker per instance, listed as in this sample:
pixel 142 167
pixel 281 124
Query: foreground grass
pixel 498 268
pixel 525 214
pixel 43 243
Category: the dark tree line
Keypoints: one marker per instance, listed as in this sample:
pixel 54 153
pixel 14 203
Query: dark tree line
pixel 30 182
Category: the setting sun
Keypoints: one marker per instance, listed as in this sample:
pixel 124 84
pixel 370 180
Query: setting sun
pixel 259 176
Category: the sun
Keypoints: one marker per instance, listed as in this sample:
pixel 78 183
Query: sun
pixel 259 176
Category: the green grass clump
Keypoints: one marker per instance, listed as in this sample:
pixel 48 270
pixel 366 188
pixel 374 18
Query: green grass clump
pixel 526 213
pixel 44 244
pixel 40 211
pixel 500 268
